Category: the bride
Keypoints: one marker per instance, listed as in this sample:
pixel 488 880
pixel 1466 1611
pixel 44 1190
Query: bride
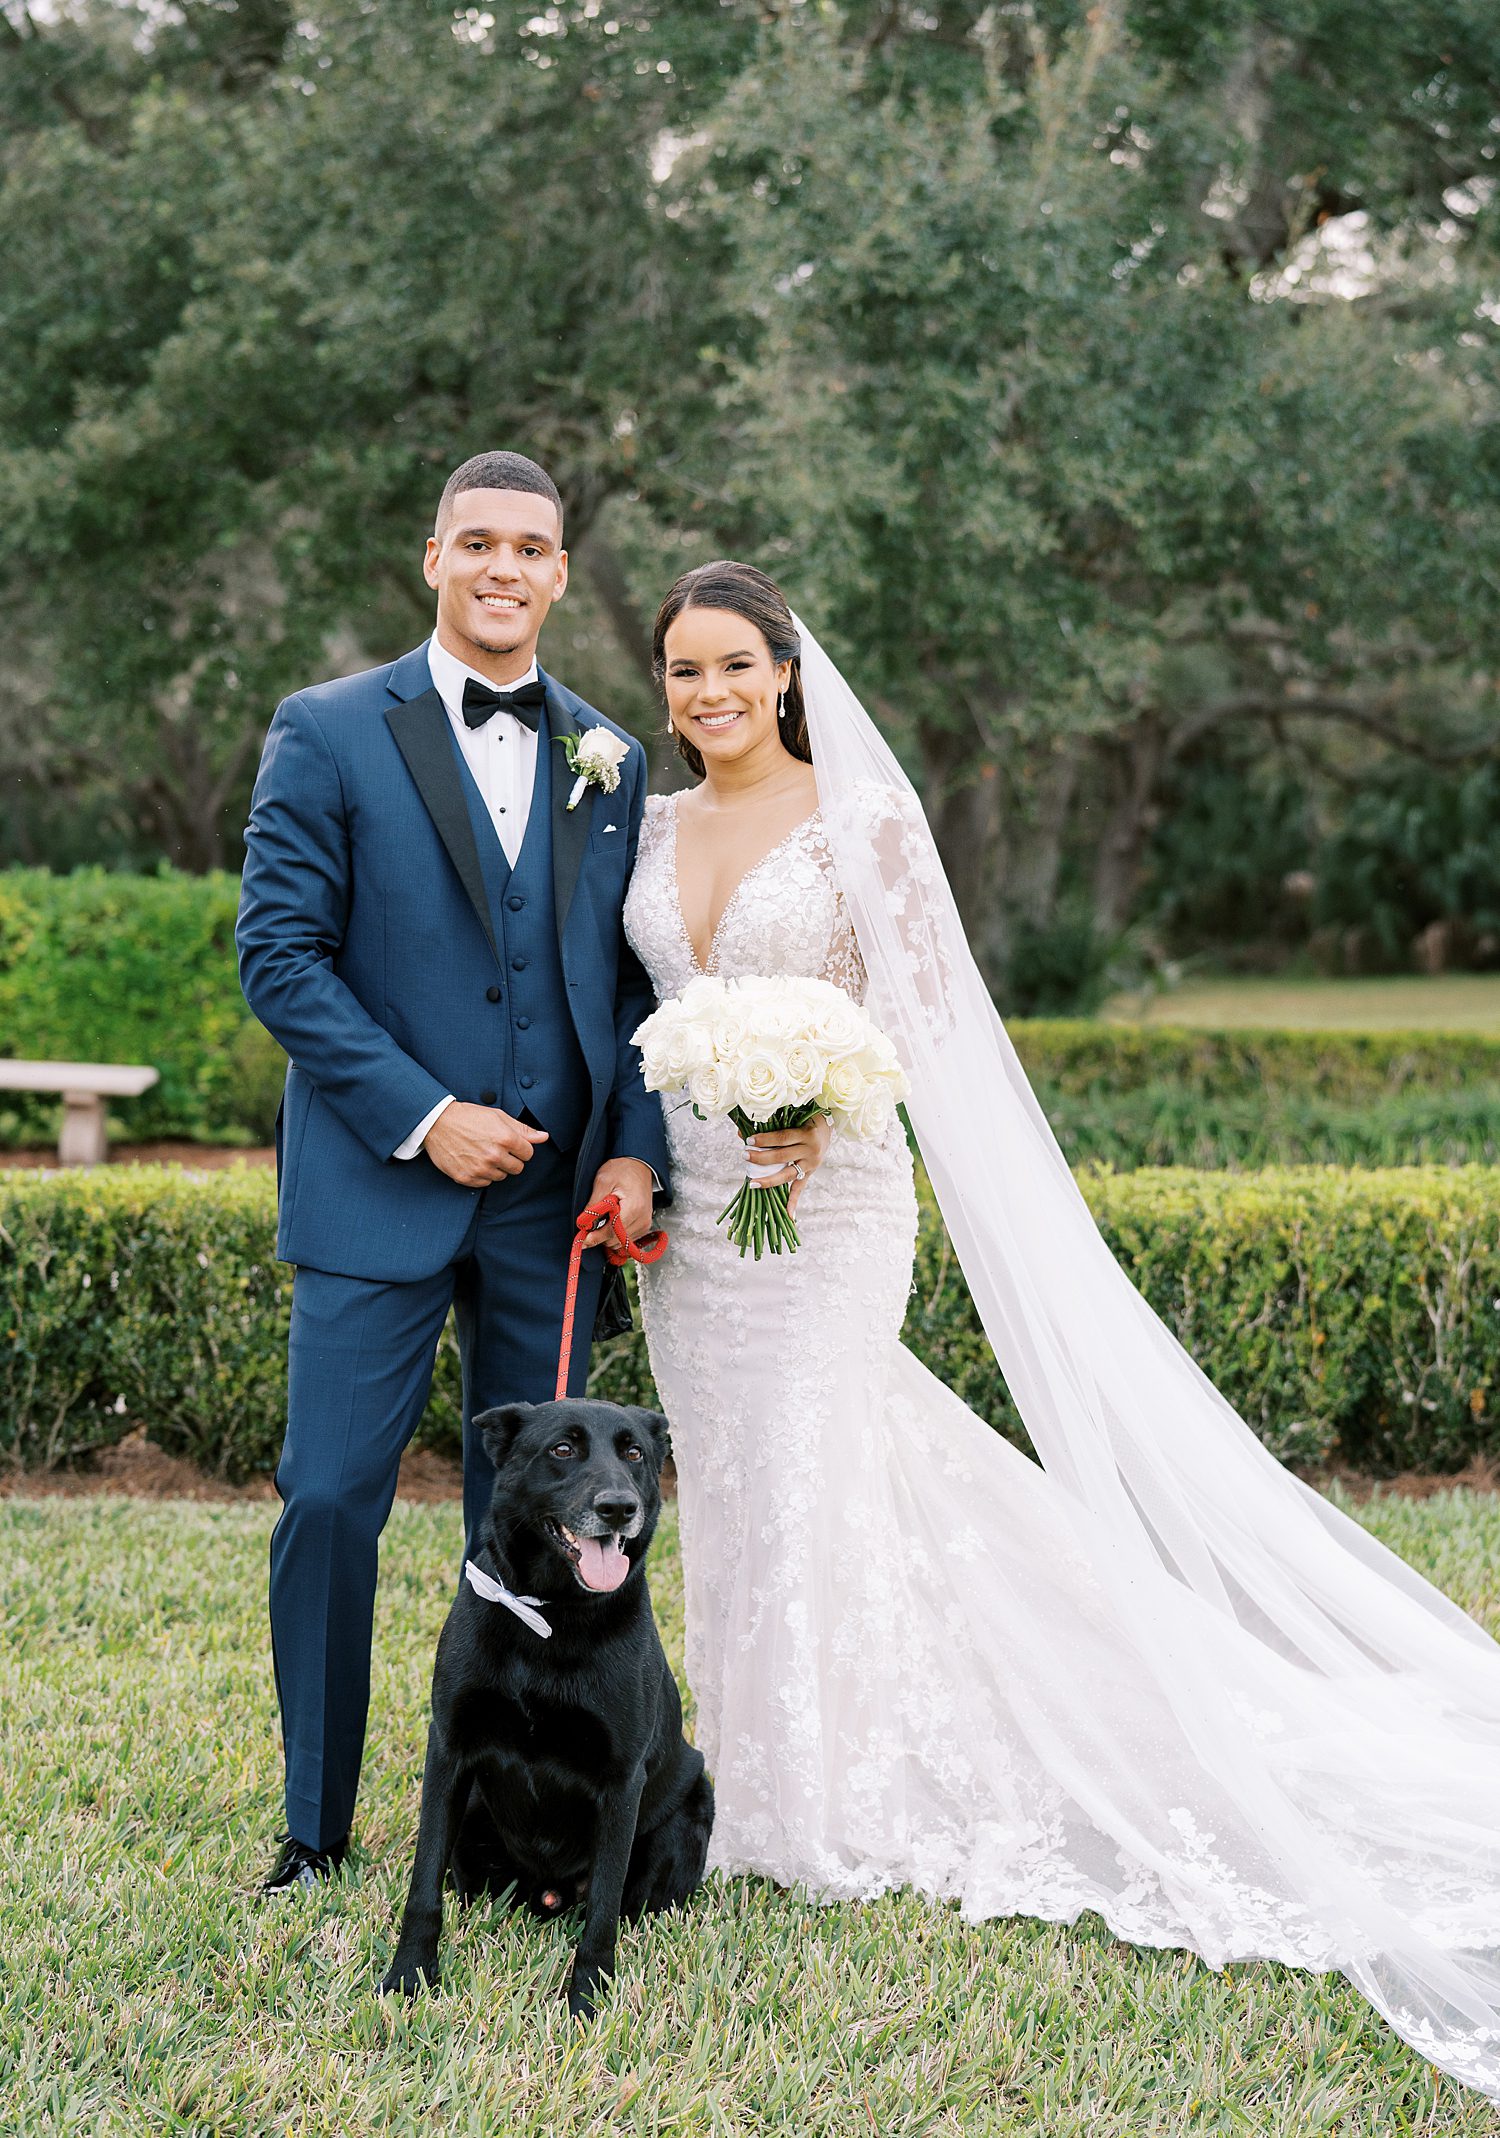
pixel 1158 1677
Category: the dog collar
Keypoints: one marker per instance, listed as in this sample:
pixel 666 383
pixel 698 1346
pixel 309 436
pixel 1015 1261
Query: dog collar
pixel 494 1591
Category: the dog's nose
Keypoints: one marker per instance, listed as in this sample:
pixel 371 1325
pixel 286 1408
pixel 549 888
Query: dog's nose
pixel 616 1508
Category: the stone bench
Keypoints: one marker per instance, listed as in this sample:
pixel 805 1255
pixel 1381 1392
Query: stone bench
pixel 84 1086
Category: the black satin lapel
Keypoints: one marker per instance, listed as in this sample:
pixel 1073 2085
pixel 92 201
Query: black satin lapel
pixel 426 742
pixel 570 827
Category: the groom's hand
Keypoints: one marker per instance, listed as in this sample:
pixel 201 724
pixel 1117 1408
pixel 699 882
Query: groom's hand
pixel 477 1145
pixel 632 1181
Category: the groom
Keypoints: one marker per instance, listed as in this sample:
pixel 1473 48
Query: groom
pixel 432 929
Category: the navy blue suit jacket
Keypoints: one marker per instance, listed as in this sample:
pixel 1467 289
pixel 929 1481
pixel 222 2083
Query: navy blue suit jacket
pixel 367 947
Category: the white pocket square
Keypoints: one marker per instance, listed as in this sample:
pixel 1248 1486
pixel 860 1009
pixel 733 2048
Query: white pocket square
pixel 609 827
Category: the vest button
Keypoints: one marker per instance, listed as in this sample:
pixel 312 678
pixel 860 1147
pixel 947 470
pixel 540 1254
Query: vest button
pixel 486 1098
pixel 492 994
pixel 523 1024
pixel 515 904
pixel 527 1082
pixel 518 964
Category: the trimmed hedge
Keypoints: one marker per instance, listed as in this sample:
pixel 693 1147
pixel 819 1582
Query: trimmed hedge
pixel 150 1295
pixel 1075 1058
pixel 142 1294
pixel 1348 1316
pixel 104 967
pixel 100 967
pixel 1166 1124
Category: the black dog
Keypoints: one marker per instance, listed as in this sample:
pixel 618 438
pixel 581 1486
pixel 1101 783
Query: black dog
pixel 556 1762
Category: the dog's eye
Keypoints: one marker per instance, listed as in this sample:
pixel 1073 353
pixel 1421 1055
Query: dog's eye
pixel 564 1447
pixel 632 1454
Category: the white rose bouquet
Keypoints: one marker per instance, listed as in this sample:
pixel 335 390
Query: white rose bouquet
pixel 772 1053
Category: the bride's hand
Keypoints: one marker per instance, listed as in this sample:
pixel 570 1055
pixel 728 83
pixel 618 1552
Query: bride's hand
pixel 805 1147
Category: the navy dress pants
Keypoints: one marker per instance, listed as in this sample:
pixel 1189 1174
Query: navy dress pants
pixel 361 1360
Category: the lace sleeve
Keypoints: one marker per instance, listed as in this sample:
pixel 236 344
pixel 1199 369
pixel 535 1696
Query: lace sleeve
pixel 659 816
pixel 842 963
pixel 886 823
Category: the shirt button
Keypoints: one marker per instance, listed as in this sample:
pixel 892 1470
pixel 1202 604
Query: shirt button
pixel 527 1082
pixel 515 904
pixel 523 1024
pixel 492 994
pixel 518 964
pixel 486 1098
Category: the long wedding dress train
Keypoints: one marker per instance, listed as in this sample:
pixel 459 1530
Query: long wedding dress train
pixel 920 1659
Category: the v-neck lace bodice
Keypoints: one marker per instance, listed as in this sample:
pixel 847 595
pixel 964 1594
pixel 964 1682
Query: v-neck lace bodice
pixel 785 915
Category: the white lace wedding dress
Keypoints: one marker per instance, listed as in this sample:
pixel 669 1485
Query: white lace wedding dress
pixel 906 1669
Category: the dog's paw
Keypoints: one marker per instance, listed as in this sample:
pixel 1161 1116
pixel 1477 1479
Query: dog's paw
pixel 586 1985
pixel 408 1978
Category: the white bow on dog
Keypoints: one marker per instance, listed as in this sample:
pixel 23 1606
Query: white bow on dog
pixel 494 1591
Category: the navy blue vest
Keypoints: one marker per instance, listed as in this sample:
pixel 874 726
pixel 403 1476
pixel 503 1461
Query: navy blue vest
pixel 542 1071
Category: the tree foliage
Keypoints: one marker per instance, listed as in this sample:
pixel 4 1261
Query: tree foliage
pixel 264 289
pixel 1072 492
pixel 1115 385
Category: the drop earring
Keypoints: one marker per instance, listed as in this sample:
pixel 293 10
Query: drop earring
pixel 781 705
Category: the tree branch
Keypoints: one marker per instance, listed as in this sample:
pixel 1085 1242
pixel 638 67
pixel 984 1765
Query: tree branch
pixel 606 574
pixel 21 39
pixel 1364 717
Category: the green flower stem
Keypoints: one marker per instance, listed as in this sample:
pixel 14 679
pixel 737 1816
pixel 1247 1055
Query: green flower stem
pixel 761 1218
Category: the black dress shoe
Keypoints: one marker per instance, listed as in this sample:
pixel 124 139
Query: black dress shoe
pixel 299 1868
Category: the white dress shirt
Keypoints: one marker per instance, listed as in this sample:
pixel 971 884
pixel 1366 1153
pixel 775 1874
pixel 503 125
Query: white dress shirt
pixel 502 757
pixel 501 754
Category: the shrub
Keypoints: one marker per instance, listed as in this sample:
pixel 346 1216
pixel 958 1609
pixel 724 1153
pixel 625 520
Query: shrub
pixel 1165 1124
pixel 1416 845
pixel 141 968
pixel 1066 968
pixel 1070 1057
pixel 151 1295
pixel 1348 1316
pixel 143 1294
pixel 257 1072
pixel 105 968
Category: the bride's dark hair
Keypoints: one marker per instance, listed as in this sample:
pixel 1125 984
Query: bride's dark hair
pixel 746 592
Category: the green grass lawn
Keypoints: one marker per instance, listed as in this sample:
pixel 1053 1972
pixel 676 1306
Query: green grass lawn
pixel 145 1989
pixel 1448 1002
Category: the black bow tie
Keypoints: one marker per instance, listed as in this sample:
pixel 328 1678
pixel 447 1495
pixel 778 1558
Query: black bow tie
pixel 480 701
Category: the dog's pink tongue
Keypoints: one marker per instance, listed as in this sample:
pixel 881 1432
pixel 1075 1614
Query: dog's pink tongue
pixel 602 1562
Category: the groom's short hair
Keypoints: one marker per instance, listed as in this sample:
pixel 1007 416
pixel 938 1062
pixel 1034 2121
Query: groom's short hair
pixel 495 471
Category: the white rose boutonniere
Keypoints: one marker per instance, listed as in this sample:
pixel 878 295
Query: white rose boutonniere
pixel 596 756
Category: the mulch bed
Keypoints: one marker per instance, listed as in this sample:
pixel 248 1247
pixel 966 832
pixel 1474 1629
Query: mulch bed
pixel 138 1470
pixel 1480 1474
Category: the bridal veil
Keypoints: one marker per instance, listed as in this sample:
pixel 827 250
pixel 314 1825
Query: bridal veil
pixel 1335 1749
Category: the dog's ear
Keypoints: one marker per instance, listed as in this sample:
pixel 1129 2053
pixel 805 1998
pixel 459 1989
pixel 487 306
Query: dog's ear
pixel 652 1423
pixel 498 1428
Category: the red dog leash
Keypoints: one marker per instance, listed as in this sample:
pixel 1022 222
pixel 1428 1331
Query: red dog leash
pixel 649 1248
